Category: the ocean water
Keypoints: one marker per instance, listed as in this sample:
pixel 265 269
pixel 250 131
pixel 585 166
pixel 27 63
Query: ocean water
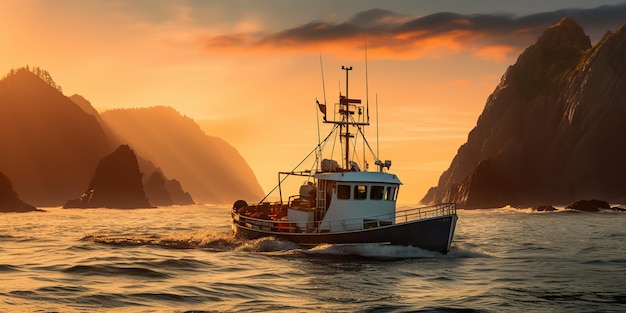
pixel 184 259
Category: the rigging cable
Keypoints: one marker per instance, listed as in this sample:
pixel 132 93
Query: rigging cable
pixel 306 157
pixel 367 102
pixel 319 156
pixel 377 141
pixel 367 143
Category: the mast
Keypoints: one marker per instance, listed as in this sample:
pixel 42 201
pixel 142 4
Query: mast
pixel 345 108
pixel 346 118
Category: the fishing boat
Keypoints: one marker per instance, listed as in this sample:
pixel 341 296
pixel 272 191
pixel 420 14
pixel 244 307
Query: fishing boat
pixel 342 203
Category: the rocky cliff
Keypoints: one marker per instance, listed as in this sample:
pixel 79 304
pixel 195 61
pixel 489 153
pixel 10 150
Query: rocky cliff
pixel 156 191
pixel 9 200
pixel 176 192
pixel 162 191
pixel 553 130
pixel 208 167
pixel 50 143
pixel 116 183
pixel 49 146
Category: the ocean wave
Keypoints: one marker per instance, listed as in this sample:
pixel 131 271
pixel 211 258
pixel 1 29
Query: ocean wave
pixel 531 210
pixel 178 264
pixel 389 252
pixel 199 240
pixel 227 242
pixel 267 244
pixel 8 268
pixel 112 270
pixel 187 240
pixel 5 236
pixel 373 250
pixel 448 309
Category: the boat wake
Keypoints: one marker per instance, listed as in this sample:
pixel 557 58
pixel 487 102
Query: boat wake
pixel 267 244
pixel 389 252
pixel 372 250
pixel 223 242
pixel 183 240
pixel 195 240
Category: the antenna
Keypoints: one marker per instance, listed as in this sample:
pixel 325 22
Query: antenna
pixel 367 104
pixel 323 84
pixel 319 156
pixel 346 117
pixel 367 94
pixel 377 141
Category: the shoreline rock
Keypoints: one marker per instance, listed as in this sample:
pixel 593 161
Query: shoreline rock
pixel 544 208
pixel 592 206
pixel 10 202
pixel 115 184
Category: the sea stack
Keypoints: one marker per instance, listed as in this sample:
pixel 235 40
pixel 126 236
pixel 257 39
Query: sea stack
pixel 9 200
pixel 116 184
pixel 156 191
pixel 551 132
pixel 178 195
pixel 165 192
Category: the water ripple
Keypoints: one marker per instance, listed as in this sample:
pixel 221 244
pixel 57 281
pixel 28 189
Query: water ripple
pixel 110 270
pixel 8 268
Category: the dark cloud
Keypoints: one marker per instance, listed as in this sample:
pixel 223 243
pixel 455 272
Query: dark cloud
pixel 395 31
pixel 314 31
pixel 377 17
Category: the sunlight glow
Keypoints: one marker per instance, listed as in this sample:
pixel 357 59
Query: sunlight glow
pixel 252 80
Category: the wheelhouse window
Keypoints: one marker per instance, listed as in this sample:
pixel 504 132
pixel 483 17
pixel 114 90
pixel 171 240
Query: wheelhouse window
pixel 360 192
pixel 343 191
pixel 391 193
pixel 377 192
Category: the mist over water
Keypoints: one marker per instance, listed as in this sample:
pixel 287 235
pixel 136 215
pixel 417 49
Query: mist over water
pixel 185 259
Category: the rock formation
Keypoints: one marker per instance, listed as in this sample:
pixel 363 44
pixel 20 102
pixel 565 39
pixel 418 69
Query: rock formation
pixel 172 186
pixel 156 191
pixel 9 200
pixel 116 183
pixel 551 132
pixel 51 143
pixel 163 192
pixel 589 206
pixel 178 195
pixel 86 106
pixel 208 167
pixel 49 146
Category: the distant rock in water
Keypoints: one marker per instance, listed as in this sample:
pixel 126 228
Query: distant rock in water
pixel 156 191
pixel 116 184
pixel 163 192
pixel 9 200
pixel 551 132
pixel 178 195
pixel 589 206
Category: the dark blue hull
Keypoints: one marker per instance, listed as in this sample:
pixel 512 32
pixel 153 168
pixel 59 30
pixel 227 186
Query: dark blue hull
pixel 433 234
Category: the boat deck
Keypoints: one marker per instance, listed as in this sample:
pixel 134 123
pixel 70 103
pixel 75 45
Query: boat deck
pixel 270 217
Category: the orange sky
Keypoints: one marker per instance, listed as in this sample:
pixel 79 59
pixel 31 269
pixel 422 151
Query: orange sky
pixel 251 73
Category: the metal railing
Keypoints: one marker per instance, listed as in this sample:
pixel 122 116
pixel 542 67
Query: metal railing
pixel 360 223
pixel 427 212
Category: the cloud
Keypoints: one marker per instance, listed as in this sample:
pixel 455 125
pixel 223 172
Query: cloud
pixel 496 53
pixel 395 36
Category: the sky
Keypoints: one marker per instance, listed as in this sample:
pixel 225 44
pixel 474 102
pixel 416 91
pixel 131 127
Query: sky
pixel 250 71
